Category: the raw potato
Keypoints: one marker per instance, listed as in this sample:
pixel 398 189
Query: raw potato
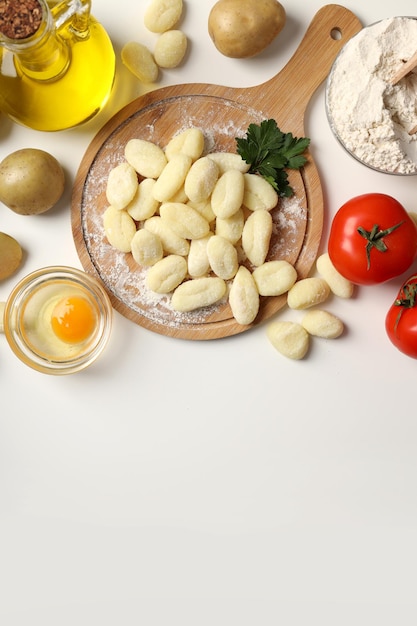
pixel 31 181
pixel 308 292
pixel 170 49
pixel 244 297
pixel 162 15
pixel 322 324
pixel 10 255
pixel 243 28
pixel 139 60
pixel 289 338
pixel 338 284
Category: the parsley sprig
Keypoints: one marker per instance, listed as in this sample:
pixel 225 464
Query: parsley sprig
pixel 269 152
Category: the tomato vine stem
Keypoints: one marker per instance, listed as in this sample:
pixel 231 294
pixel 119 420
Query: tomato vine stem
pixel 406 298
pixel 375 239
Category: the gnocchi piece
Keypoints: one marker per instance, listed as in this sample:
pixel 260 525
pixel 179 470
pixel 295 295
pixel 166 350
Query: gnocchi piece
pixel 322 324
pixel 198 262
pixel 119 228
pixel 122 184
pixel 259 194
pixel 162 15
pixel 227 195
pixel 189 142
pixel 166 274
pixel 222 256
pixel 274 278
pixel 339 285
pixel 308 292
pixel 146 157
pixel 198 293
pixel 204 208
pixel 289 338
pixel 171 242
pixel 143 204
pixel 229 161
pixel 146 248
pixel 179 196
pixel 172 177
pixel 244 297
pixel 201 178
pixel 170 49
pixel 184 220
pixel 140 62
pixel 256 236
pixel 231 228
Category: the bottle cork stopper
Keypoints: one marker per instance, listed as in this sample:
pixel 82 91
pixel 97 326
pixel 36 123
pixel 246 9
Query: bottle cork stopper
pixel 20 19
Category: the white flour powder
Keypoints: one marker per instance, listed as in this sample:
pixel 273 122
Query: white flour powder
pixel 370 116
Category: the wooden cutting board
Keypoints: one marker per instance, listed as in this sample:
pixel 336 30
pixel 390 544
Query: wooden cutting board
pixel 223 113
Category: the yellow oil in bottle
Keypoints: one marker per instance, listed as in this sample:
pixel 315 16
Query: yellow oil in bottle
pixel 45 100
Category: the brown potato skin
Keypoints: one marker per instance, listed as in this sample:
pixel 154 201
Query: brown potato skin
pixel 31 181
pixel 11 255
pixel 244 28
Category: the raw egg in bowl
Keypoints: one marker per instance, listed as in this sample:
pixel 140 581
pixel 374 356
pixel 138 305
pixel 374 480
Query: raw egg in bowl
pixel 58 320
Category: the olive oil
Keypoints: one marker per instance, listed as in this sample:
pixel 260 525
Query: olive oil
pixel 59 77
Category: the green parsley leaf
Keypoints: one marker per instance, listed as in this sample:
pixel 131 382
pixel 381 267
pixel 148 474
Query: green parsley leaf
pixel 269 152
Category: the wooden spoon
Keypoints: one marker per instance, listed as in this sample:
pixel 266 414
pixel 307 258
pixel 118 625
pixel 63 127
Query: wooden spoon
pixel 405 69
pixel 222 113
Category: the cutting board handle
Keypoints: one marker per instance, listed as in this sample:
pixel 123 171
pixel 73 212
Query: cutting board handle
pixel 330 29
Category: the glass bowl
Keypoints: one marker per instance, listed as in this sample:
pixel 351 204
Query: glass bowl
pixel 58 320
pixel 370 117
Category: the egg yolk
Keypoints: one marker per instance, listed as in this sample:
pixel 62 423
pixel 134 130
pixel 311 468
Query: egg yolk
pixel 73 319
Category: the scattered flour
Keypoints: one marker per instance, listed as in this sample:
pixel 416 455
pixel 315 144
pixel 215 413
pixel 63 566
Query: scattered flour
pixel 370 116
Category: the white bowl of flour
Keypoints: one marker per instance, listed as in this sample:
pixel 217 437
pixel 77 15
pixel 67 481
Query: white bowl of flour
pixel 369 116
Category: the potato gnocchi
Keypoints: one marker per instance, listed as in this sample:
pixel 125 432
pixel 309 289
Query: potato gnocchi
pixel 170 49
pixel 200 224
pixel 161 15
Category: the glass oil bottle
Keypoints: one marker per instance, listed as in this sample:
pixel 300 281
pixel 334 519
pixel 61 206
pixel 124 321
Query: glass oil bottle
pixel 57 63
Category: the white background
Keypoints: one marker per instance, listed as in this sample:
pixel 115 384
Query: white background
pixel 210 483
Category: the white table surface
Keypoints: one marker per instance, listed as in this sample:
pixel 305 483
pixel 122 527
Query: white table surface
pixel 203 483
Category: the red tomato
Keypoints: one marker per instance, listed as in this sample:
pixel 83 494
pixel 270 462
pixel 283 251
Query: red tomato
pixel 401 319
pixel 372 239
